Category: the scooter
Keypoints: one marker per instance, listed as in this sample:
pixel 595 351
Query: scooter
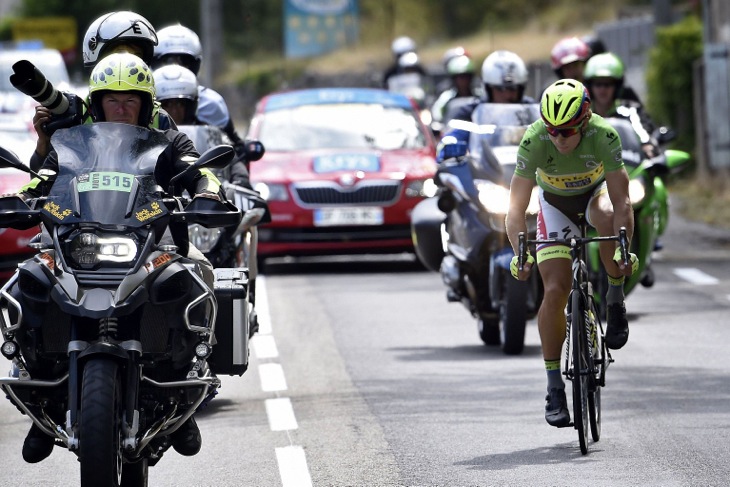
pixel 461 232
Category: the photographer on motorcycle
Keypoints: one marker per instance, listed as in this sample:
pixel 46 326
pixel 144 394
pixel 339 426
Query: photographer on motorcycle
pixel 461 72
pixel 113 32
pixel 576 159
pixel 122 90
pixel 604 78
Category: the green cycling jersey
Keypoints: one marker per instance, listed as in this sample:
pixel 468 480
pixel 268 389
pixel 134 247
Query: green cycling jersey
pixel 578 172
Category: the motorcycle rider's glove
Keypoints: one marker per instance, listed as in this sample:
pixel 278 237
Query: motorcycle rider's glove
pixel 514 265
pixel 632 258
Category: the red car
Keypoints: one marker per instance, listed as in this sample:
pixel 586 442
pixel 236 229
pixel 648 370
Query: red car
pixel 343 169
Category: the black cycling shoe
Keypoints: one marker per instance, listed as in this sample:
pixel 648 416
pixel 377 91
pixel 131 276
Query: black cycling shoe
pixel 556 409
pixel 37 445
pixel 617 327
pixel 187 440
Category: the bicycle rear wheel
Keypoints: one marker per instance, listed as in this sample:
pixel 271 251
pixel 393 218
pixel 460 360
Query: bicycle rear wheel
pixel 580 366
pixel 598 377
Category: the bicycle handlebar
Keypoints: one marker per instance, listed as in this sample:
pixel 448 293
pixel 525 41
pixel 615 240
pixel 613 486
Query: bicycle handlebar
pixel 573 242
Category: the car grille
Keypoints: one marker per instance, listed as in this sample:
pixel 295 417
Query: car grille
pixel 325 193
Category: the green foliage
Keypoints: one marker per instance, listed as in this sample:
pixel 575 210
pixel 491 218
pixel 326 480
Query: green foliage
pixel 669 77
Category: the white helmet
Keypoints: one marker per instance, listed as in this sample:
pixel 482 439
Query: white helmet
pixel 118 28
pixel 178 40
pixel 504 68
pixel 403 45
pixel 173 81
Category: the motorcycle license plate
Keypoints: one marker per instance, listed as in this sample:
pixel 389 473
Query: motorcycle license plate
pixel 324 217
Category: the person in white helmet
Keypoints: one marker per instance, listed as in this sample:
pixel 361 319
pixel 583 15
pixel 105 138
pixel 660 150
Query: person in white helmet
pixel 180 45
pixel 402 46
pixel 504 75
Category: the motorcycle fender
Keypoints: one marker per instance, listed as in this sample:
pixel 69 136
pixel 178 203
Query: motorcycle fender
pixel 108 349
pixel 426 222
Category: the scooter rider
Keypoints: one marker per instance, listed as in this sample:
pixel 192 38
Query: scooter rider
pixel 180 45
pixel 604 78
pixel 576 159
pixel 121 89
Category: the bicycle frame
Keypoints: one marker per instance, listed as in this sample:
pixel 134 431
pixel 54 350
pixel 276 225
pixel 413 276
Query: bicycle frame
pixel 586 356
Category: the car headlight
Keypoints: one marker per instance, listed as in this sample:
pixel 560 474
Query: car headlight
pixel 636 191
pixel 424 188
pixel 493 197
pixel 90 249
pixel 204 239
pixel 272 191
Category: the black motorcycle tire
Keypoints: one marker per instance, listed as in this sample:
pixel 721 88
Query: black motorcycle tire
pixel 513 316
pixel 100 449
pixel 488 328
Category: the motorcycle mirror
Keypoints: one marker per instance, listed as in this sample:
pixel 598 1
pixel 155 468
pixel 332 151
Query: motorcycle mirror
pixel 664 135
pixel 10 160
pixel 254 150
pixel 216 157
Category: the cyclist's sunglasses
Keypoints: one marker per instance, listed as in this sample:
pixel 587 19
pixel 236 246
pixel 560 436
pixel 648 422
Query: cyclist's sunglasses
pixel 565 132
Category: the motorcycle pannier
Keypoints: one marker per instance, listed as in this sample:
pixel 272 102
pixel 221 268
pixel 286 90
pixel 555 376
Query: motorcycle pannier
pixel 230 353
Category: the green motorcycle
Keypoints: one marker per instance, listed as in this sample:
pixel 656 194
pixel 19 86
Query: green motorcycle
pixel 650 200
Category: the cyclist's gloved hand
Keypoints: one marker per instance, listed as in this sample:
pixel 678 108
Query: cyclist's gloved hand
pixel 632 258
pixel 514 265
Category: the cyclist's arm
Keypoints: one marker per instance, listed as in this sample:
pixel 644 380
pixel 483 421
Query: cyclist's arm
pixel 519 199
pixel 618 191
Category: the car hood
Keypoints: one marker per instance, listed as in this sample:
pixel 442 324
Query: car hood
pixel 319 165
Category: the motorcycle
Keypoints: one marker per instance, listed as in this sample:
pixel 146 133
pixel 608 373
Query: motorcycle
pixel 650 200
pixel 110 329
pixel 233 246
pixel 461 232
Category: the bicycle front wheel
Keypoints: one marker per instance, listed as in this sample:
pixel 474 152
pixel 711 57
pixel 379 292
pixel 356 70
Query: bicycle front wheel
pixel 581 370
pixel 598 375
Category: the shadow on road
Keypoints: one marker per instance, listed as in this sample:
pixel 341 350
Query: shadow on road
pixel 460 353
pixel 359 264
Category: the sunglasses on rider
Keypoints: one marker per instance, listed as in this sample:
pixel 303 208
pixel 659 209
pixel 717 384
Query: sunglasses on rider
pixel 565 132
pixel 506 88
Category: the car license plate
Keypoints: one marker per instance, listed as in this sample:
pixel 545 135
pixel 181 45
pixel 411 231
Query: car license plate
pixel 324 217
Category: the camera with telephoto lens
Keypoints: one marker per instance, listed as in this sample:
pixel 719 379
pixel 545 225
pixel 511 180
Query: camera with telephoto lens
pixel 66 108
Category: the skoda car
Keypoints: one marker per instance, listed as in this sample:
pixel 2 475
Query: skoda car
pixel 342 171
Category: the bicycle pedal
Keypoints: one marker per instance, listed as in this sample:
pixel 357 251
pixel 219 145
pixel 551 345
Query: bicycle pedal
pixel 569 425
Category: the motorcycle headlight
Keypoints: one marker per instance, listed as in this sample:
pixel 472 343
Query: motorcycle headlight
pixel 89 248
pixel 272 192
pixel 424 188
pixel 204 239
pixel 636 191
pixel 493 197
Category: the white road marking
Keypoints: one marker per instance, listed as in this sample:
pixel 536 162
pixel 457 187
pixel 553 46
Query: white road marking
pixel 292 461
pixel 272 378
pixel 695 276
pixel 293 467
pixel 281 414
pixel 264 346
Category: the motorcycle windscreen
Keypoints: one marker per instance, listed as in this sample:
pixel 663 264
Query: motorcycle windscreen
pixel 497 132
pixel 106 175
pixel 630 142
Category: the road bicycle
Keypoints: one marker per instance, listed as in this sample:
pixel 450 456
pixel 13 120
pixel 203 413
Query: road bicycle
pixel 586 356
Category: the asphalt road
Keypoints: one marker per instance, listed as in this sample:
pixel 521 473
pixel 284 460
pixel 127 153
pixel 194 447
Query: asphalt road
pixel 363 375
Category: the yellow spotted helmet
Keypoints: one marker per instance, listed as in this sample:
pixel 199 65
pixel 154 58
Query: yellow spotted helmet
pixel 123 72
pixel 565 103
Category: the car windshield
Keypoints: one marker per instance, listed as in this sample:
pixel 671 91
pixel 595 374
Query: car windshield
pixel 341 126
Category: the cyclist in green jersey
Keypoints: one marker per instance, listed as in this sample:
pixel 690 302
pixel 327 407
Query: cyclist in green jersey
pixel 575 158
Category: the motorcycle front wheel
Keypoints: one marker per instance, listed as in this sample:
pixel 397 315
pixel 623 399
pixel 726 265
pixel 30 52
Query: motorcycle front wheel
pixel 100 448
pixel 488 328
